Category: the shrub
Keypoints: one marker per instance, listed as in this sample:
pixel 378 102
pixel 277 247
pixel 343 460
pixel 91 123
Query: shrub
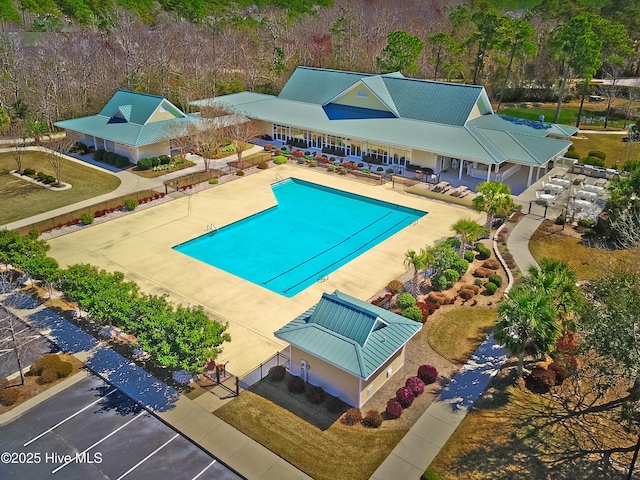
pixel 478 282
pixel 541 380
pixel 560 220
pixel 394 409
pixel 240 173
pixel 595 161
pixel 373 419
pixel 110 157
pixel 313 163
pixel 213 181
pixel 29 171
pixel 50 361
pixel 395 286
pixel 130 204
pixel 439 283
pixel 155 161
pixel 263 166
pixel 144 164
pixel 598 154
pixel 331 168
pixel 482 272
pixel 332 159
pixel 353 416
pixel 379 169
pixel 483 252
pixel 121 161
pixel 405 397
pixel 296 385
pixel 389 170
pixel 572 154
pixel 164 159
pixel 491 264
pixel 360 165
pixel 469 256
pixel 466 293
pixel 490 288
pixel 64 369
pixel 268 147
pixel 280 160
pixel 428 374
pixel 334 404
pixel 440 298
pixel 342 172
pixel 431 475
pixel 585 223
pixel 8 396
pixel 460 265
pixel 276 374
pixel 49 375
pixel 415 385
pixel 315 394
pixel 405 300
pixel 412 313
pixel 452 276
pixel 381 299
pixel 497 279
pixel 86 218
pixel 98 155
pixel 427 308
pixel 562 373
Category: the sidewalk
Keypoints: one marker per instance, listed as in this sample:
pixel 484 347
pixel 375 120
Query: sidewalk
pixel 241 453
pixel 129 183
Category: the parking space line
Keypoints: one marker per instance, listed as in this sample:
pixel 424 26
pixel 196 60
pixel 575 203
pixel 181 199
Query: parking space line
pixel 204 470
pixel 55 470
pixel 148 456
pixel 68 418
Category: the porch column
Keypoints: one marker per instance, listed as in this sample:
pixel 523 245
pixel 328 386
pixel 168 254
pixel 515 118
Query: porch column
pixel 460 171
pixel 530 175
pixel 95 143
pixel 489 173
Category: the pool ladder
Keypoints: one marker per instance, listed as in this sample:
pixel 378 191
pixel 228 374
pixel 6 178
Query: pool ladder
pixel 323 279
pixel 211 229
pixel 278 178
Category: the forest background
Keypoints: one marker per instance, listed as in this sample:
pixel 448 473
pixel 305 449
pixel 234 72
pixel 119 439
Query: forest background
pixel 65 58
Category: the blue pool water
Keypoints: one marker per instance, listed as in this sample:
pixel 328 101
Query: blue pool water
pixel 310 233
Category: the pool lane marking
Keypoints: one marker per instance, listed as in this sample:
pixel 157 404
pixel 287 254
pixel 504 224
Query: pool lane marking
pixel 148 456
pixel 346 239
pixel 68 418
pixel 203 470
pixel 73 459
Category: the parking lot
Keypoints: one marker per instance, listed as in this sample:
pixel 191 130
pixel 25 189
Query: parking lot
pixel 91 430
pixel 29 343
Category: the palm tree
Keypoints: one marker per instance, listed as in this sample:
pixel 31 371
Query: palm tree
pixel 494 198
pixel 417 261
pixel 556 278
pixel 469 232
pixel 526 323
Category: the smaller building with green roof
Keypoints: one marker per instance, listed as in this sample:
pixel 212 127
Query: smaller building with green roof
pixel 132 124
pixel 347 346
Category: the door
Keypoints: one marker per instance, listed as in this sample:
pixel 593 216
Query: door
pixel 304 370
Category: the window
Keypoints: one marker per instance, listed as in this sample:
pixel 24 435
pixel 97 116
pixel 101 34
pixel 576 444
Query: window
pixel 362 94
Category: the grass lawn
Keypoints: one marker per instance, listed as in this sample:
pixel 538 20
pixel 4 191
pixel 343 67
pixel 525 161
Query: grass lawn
pixel 617 151
pixel 568 114
pixel 150 173
pixel 588 263
pixel 339 452
pixel 458 333
pixel 22 199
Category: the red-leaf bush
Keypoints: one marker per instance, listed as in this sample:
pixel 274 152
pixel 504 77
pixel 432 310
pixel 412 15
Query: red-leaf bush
pixel 566 343
pixel 394 409
pixel 562 373
pixel 541 380
pixel 415 385
pixel 405 397
pixel 428 374
pixel 373 419
pixel 353 416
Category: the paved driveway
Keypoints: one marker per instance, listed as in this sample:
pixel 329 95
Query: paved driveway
pixel 91 430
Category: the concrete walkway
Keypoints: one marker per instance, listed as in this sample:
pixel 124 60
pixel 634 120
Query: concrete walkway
pixel 235 449
pixel 129 183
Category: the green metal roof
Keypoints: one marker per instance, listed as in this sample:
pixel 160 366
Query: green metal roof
pixel 530 127
pixel 351 334
pixel 468 142
pixel 318 86
pixel 138 106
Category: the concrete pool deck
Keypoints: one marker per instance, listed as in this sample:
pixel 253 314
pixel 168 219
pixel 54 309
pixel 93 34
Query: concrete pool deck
pixel 140 245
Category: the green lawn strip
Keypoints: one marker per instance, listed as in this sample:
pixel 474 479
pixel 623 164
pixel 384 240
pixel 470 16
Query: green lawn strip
pixel 617 151
pixel 568 115
pixel 459 332
pixel 21 199
pixel 340 452
pixel 588 263
pixel 150 173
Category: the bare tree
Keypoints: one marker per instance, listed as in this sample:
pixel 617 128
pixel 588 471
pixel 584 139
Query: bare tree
pixel 56 156
pixel 18 134
pixel 242 130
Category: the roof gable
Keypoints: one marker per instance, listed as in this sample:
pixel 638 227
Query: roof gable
pixel 353 335
pixel 135 107
pixel 318 86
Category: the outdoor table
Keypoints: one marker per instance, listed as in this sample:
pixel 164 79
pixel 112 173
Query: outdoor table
pixel 560 181
pixel 559 175
pixel 585 195
pixel 546 198
pixel 600 183
pixel 579 179
pixel 592 188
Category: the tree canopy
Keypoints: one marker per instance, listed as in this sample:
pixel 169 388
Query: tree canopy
pixel 401 53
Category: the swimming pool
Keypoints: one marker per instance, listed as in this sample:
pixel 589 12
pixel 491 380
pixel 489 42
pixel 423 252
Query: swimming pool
pixel 312 231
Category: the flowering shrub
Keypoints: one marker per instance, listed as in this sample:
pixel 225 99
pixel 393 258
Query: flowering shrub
pixel 415 385
pixel 428 374
pixel 268 147
pixel 350 165
pixel 394 409
pixel 405 397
